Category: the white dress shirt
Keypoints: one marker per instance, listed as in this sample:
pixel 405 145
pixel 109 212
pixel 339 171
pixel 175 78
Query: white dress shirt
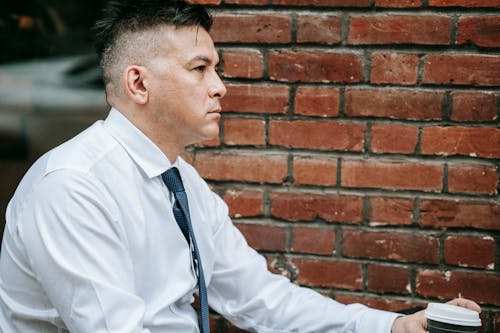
pixel 91 245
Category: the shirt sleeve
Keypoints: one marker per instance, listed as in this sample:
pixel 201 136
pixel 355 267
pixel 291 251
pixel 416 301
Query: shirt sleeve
pixel 252 298
pixel 79 254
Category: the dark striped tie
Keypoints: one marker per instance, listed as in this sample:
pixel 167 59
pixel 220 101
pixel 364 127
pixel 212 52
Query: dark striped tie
pixel 173 180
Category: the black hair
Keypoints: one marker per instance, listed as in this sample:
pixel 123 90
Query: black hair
pixel 128 16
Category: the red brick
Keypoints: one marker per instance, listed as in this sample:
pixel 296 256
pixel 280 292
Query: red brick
pixel 478 179
pixel 393 103
pixel 455 213
pixel 479 30
pixel 315 171
pixel 325 3
pixel 310 206
pixel 315 66
pixel 245 203
pixel 464 3
pixel 263 237
pixel 471 141
pixel 257 167
pixel 244 63
pixel 251 28
pixel 390 211
pixel 313 240
pixel 471 69
pixel 247 2
pixel 470 251
pixel 317 135
pixel 398 3
pixel 396 68
pixel 319 29
pixel 399 29
pixel 260 98
pixel 474 106
pixel 243 131
pixel 317 101
pixel 392 175
pixel 391 138
pixel 390 246
pixel 377 302
pixel 384 278
pixel 482 288
pixel 323 273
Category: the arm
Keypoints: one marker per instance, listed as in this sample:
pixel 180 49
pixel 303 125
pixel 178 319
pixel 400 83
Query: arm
pixel 245 292
pixel 79 254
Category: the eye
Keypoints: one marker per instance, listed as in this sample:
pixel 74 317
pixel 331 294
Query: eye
pixel 200 69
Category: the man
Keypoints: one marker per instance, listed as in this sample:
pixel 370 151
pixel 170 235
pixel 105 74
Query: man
pixel 114 232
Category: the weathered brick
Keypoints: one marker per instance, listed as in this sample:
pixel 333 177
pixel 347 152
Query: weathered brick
pixel 315 66
pixel 313 240
pixel 244 131
pixel 251 28
pixel 263 237
pixel 399 29
pixel 393 103
pixel 470 251
pixel 390 246
pixel 242 63
pixel 396 68
pixel 478 179
pixel 464 3
pixel 245 203
pixel 470 141
pixel 261 98
pixel 317 101
pixel 382 303
pixel 398 3
pixel 325 3
pixel 324 273
pixel 247 2
pixel 392 174
pixel 310 206
pixel 481 287
pixel 392 138
pixel 474 106
pixel 455 213
pixel 385 278
pixel 319 29
pixel 252 167
pixel 468 69
pixel 390 211
pixel 479 30
pixel 315 171
pixel 317 135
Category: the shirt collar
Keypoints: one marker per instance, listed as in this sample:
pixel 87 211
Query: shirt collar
pixel 142 150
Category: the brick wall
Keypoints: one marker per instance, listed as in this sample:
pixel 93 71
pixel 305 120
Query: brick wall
pixel 360 145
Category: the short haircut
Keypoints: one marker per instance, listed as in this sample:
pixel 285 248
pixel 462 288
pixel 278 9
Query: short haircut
pixel 125 18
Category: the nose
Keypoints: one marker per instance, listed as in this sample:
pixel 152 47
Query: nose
pixel 217 89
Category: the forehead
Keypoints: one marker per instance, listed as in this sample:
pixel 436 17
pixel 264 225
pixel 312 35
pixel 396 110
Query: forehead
pixel 186 43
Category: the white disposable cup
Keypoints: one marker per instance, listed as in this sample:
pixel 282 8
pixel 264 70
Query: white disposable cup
pixel 446 318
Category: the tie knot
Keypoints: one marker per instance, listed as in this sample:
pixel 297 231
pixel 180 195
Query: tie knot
pixel 172 178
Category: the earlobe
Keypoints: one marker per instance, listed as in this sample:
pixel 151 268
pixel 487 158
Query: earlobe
pixel 135 84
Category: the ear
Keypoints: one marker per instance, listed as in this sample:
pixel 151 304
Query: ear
pixel 135 84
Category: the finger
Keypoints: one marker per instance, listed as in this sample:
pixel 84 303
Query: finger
pixel 465 303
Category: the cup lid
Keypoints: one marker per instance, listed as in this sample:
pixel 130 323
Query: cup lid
pixel 452 314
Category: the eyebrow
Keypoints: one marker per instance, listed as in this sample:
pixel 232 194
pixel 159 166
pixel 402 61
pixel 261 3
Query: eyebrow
pixel 203 58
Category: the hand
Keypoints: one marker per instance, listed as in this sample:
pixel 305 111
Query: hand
pixel 416 323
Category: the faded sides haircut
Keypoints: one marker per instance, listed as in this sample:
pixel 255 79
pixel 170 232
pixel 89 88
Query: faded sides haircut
pixel 121 36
